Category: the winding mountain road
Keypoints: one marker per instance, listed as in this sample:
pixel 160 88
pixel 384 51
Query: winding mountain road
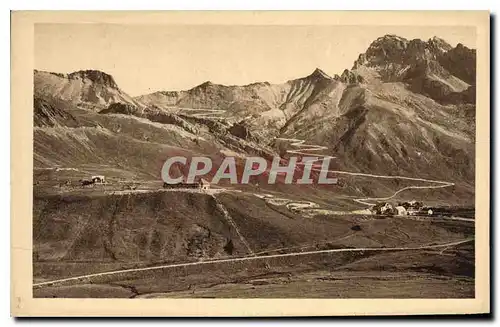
pixel 307 147
pixel 198 113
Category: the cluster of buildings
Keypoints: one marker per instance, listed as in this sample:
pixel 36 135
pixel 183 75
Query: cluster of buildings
pixel 200 184
pixel 97 179
pixel 410 208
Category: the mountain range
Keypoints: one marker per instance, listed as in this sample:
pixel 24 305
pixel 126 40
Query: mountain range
pixel 406 107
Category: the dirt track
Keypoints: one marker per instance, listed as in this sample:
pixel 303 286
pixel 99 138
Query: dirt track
pixel 86 278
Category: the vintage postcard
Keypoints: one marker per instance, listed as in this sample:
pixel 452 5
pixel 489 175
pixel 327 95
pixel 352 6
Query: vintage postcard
pixel 250 163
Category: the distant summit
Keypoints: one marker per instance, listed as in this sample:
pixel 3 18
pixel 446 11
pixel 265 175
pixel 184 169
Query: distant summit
pixel 439 44
pixel 319 74
pixel 396 49
pixel 92 89
pixel 432 68
pixel 95 76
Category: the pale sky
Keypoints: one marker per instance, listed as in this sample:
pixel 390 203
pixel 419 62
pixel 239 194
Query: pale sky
pixel 147 58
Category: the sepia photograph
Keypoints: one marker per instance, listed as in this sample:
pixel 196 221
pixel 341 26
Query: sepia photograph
pixel 260 160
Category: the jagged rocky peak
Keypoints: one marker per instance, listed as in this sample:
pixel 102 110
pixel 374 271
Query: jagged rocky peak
pixel 463 51
pixel 439 44
pixel 395 49
pixel 360 61
pixel 461 61
pixel 387 47
pixel 462 47
pixel 349 77
pixel 95 76
pixel 319 74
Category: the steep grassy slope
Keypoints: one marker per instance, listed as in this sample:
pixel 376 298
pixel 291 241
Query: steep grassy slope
pixel 132 228
pixel 119 142
pixel 146 228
